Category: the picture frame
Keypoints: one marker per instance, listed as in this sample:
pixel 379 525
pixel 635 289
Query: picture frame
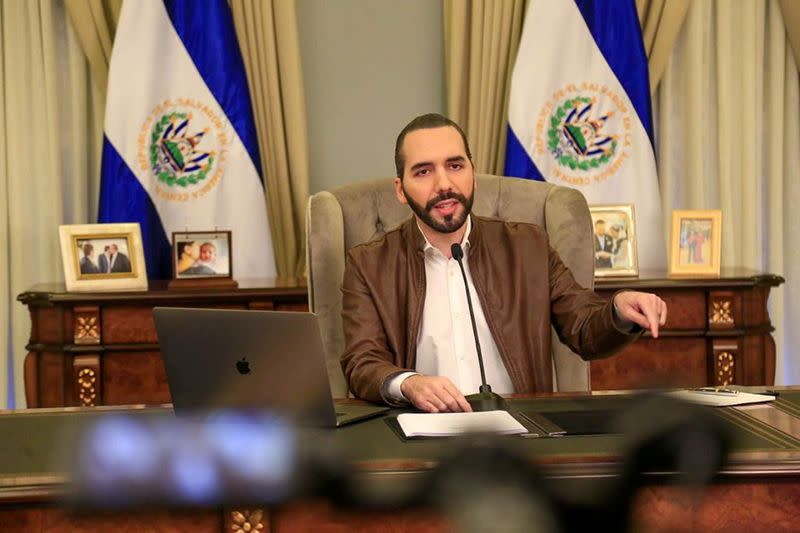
pixel 614 236
pixel 103 257
pixel 695 243
pixel 202 256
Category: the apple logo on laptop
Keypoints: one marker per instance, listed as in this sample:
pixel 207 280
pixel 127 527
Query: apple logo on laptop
pixel 243 366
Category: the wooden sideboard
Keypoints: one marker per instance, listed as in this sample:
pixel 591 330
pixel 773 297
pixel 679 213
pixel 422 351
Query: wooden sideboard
pixel 718 332
pixel 91 349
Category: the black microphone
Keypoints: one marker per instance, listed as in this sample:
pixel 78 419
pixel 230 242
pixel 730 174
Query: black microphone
pixel 485 399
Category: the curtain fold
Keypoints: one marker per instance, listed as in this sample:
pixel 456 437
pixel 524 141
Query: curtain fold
pixel 268 38
pixel 791 18
pixel 95 22
pixel 661 20
pixel 49 169
pixel 481 40
pixel 728 128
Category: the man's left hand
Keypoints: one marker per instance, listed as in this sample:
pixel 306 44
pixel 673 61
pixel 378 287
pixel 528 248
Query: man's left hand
pixel 647 310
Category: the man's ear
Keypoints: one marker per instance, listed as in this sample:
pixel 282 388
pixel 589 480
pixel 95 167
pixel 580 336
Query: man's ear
pixel 398 190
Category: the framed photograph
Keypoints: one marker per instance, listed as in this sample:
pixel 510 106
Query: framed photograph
pixel 614 233
pixel 103 257
pixel 202 255
pixel 695 243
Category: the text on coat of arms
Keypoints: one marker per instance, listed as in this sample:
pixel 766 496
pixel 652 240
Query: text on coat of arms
pixel 583 133
pixel 183 144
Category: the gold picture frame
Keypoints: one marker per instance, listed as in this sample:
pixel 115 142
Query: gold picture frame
pixel 103 257
pixel 695 243
pixel 614 236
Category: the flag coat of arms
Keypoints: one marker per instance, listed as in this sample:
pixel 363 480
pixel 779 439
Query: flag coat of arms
pixel 180 151
pixel 579 110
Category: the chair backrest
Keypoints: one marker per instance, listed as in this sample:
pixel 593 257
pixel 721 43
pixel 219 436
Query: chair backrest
pixel 357 213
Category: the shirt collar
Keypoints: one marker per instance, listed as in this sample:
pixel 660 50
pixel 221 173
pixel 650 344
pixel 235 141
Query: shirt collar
pixel 464 240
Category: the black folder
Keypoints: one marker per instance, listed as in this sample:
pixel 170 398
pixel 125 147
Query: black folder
pixel 584 422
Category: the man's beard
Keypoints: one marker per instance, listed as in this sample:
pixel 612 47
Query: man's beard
pixel 450 222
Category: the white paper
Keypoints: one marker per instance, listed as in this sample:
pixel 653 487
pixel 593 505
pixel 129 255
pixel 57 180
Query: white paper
pixel 451 424
pixel 720 399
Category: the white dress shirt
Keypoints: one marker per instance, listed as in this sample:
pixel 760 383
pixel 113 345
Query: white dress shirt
pixel 446 344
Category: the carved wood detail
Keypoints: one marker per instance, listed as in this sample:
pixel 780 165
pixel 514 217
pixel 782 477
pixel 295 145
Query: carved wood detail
pixel 726 360
pixel 247 520
pixel 724 363
pixel 724 307
pixel 721 312
pixel 86 325
pixel 86 375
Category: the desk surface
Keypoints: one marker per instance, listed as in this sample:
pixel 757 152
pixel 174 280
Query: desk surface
pixel 760 449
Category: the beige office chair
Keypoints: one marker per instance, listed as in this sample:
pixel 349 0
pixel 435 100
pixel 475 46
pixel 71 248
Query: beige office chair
pixel 357 213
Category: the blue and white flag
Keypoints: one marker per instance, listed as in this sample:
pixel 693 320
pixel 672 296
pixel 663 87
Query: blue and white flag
pixel 180 150
pixel 579 110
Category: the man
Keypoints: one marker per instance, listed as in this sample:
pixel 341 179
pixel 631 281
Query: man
pixel 118 262
pixel 87 264
pixel 603 246
pixel 103 260
pixel 408 335
pixel 620 257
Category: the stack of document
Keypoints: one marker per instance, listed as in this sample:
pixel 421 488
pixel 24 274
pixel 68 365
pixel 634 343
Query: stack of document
pixel 720 397
pixel 452 424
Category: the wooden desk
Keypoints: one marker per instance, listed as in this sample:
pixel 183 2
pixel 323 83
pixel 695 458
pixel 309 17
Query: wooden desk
pixel 718 332
pixel 90 349
pixel 101 348
pixel 759 490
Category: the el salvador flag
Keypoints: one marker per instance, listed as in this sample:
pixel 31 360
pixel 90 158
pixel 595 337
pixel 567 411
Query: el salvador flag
pixel 180 150
pixel 579 110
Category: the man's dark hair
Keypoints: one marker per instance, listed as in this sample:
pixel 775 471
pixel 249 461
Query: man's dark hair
pixel 600 221
pixel 425 122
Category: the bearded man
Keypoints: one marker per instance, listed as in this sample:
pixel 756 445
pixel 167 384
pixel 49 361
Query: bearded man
pixel 408 332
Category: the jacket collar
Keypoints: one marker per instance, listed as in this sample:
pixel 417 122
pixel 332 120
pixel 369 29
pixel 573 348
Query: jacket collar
pixel 416 240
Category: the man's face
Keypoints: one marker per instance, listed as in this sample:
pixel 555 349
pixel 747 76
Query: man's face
pixel 599 229
pixel 113 248
pixel 438 181
pixel 207 253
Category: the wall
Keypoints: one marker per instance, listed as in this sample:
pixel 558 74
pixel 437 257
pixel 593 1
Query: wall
pixel 370 66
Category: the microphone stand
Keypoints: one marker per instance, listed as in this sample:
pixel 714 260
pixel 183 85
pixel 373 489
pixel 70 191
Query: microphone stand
pixel 485 399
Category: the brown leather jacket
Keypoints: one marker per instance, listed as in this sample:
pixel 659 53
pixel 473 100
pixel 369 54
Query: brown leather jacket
pixel 521 283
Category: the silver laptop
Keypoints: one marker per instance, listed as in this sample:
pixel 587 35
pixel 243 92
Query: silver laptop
pixel 273 360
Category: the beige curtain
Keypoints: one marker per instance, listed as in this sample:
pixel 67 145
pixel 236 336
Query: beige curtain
pixel 95 22
pixel 661 20
pixel 728 118
pixel 267 32
pixel 791 18
pixel 49 159
pixel 481 40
